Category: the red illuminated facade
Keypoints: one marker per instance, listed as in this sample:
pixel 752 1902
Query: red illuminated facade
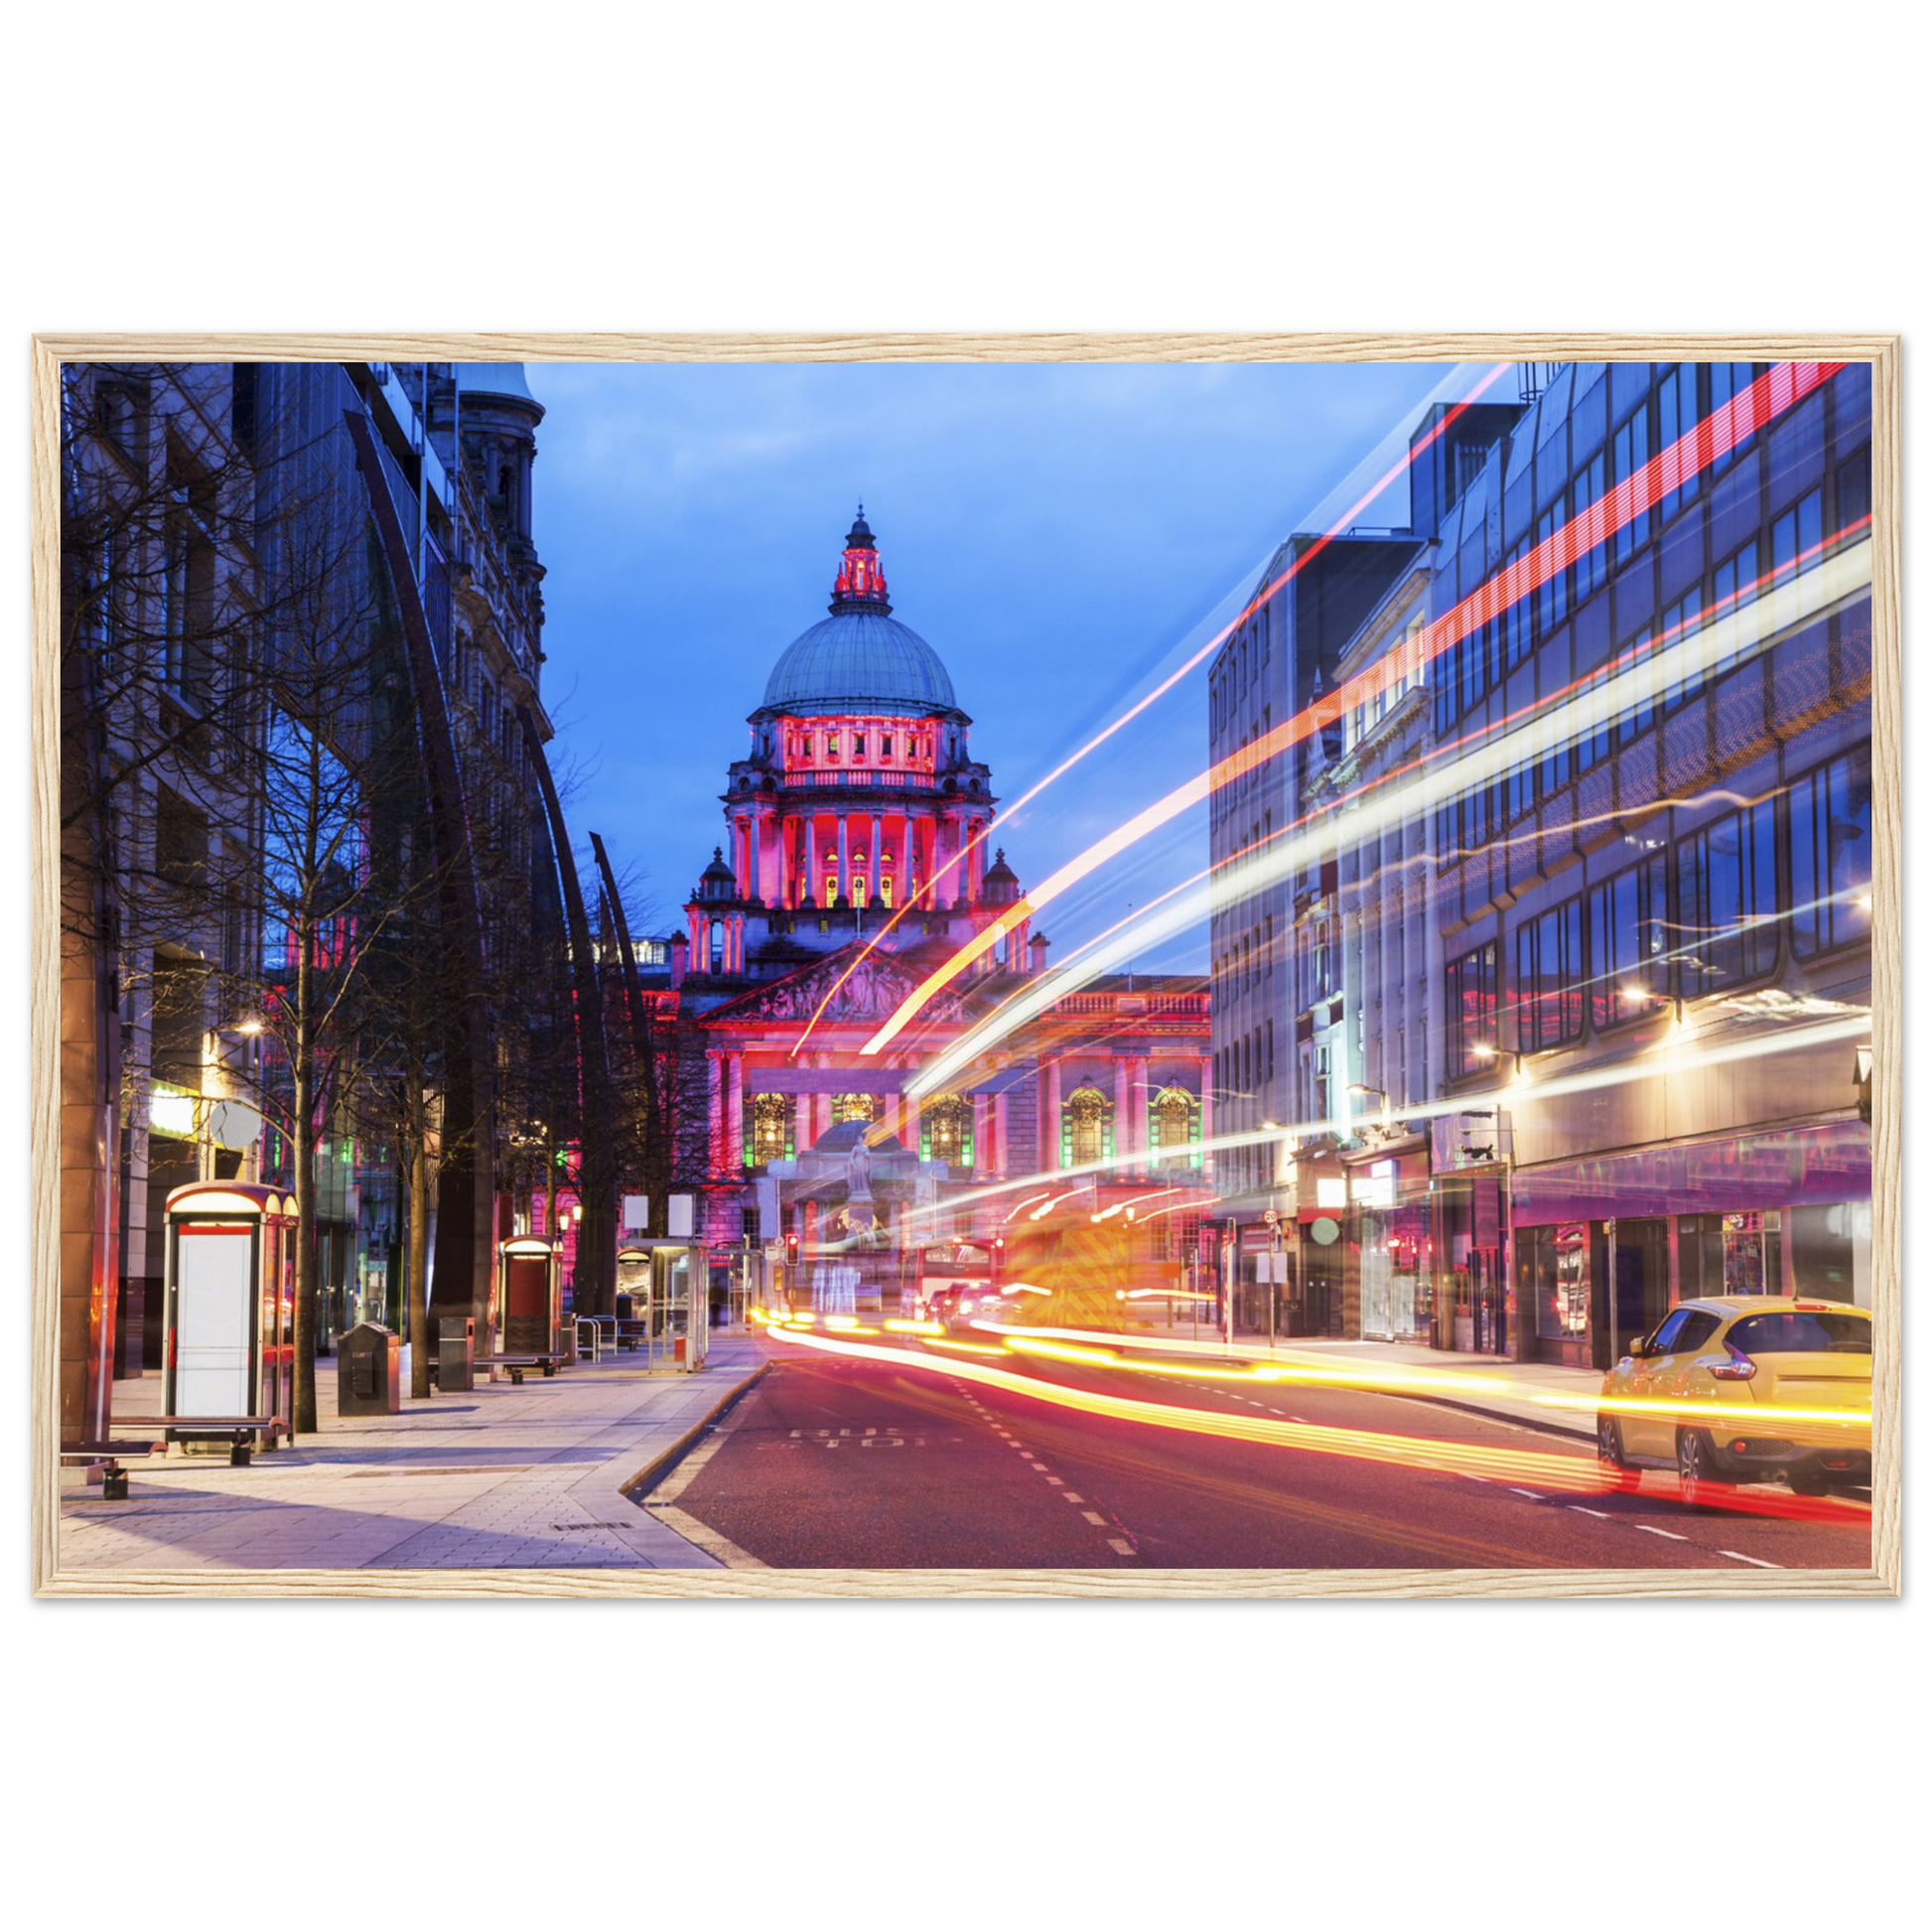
pixel 855 861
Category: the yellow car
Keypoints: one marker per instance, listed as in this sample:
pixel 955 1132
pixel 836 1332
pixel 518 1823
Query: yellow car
pixel 1741 1388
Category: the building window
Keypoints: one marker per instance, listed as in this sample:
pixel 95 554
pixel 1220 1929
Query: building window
pixel 1728 901
pixel 1636 719
pixel 1681 622
pixel 1629 946
pixel 1798 538
pixel 748 1224
pixel 855 1106
pixel 1592 565
pixel 1174 1126
pixel 1551 603
pixel 1549 978
pixel 1831 855
pixel 772 1122
pixel 1733 585
pixel 858 745
pixel 1677 415
pixel 1728 381
pixel 1629 451
pixel 1086 1128
pixel 947 1131
pixel 1470 989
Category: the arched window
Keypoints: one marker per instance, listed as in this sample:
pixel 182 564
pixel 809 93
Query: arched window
pixel 1174 1126
pixel 773 1118
pixel 947 1131
pixel 855 1106
pixel 1086 1128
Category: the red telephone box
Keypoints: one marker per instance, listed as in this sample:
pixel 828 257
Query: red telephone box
pixel 230 1311
pixel 529 1308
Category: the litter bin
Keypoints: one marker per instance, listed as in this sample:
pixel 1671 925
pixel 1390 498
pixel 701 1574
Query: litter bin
pixel 456 1355
pixel 368 1372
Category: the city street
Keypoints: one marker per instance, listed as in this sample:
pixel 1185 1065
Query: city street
pixel 831 1461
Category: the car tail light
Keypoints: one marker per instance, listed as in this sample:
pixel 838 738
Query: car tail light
pixel 1732 1367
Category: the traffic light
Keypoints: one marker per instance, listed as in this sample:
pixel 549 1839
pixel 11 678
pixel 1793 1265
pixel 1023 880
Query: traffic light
pixel 999 1257
pixel 792 1247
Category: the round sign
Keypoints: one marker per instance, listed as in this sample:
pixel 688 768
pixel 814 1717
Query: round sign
pixel 1325 1230
pixel 1272 1218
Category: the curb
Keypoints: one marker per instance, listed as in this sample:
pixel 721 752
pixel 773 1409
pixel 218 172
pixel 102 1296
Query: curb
pixel 632 1487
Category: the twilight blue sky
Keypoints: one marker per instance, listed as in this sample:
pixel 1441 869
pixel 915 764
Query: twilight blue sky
pixel 1057 531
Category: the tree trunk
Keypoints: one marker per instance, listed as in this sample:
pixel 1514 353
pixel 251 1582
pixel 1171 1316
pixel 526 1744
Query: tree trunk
pixel 418 1251
pixel 304 1071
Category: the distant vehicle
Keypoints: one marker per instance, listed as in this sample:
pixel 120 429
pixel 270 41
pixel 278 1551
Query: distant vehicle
pixel 1785 1367
pixel 951 1268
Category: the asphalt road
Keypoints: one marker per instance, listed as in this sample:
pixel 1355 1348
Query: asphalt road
pixel 830 1463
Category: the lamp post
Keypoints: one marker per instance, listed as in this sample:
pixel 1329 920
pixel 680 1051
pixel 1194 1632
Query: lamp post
pixel 1361 1091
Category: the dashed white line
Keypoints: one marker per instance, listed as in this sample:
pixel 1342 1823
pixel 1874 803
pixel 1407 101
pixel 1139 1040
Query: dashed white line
pixel 1056 1479
pixel 1737 1556
pixel 1116 1543
pixel 1535 1495
pixel 1094 1517
pixel 1602 1515
pixel 1071 1497
pixel 1651 1529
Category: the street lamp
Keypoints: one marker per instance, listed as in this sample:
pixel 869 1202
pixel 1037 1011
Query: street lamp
pixel 1482 1050
pixel 1363 1091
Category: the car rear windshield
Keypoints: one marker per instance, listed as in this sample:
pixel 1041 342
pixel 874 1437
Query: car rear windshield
pixel 1802 1334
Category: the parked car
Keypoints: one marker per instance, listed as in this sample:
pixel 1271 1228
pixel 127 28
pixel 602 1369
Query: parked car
pixel 1780 1373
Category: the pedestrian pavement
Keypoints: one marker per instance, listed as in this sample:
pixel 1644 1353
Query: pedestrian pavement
pixel 502 1477
pixel 535 1476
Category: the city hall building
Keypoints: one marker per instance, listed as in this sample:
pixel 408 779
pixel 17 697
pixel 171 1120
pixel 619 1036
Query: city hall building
pixel 855 863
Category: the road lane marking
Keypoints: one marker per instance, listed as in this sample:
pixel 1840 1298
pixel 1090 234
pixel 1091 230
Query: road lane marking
pixel 1737 1556
pixel 1071 1497
pixel 1651 1529
pixel 1055 1479
pixel 1115 1543
pixel 1602 1515
pixel 1535 1495
pixel 1093 1517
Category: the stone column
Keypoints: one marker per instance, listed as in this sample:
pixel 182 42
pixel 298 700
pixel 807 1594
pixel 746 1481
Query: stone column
pixel 735 1114
pixel 1123 1112
pixel 1000 1163
pixel 878 851
pixel 945 887
pixel 845 859
pixel 755 883
pixel 1049 1118
pixel 1139 1091
pixel 1208 1107
pixel 982 1136
pixel 812 860
pixel 716 1063
pixel 803 1134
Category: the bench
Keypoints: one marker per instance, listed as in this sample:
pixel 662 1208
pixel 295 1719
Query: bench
pixel 550 1361
pixel 238 1429
pixel 102 1461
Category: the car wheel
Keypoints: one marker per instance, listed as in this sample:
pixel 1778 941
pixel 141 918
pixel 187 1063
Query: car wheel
pixel 1611 1464
pixel 1805 1483
pixel 1695 1472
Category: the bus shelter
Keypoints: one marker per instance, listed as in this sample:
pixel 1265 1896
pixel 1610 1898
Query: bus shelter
pixel 228 1320
pixel 527 1310
pixel 669 1286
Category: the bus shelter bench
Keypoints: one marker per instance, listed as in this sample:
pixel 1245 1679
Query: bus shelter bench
pixel 102 1462
pixel 550 1361
pixel 238 1429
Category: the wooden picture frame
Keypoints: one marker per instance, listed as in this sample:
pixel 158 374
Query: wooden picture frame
pixel 1881 1579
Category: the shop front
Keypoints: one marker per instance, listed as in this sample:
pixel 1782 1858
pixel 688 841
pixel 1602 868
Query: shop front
pixel 1393 1245
pixel 1606 1247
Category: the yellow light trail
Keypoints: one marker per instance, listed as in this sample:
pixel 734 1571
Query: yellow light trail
pixel 1338 526
pixel 1741 634
pixel 1784 385
pixel 1574 1474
